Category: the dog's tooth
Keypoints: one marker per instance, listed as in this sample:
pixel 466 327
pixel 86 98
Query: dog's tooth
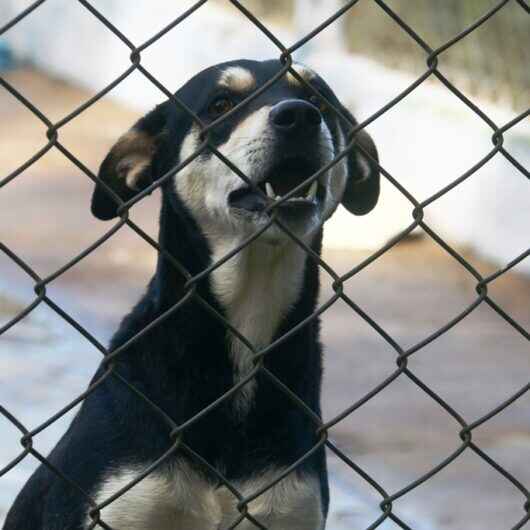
pixel 312 190
pixel 270 191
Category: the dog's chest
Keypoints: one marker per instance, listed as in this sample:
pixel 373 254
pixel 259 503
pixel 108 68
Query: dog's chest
pixel 180 499
pixel 256 288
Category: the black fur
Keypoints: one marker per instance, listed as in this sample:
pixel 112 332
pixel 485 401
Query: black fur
pixel 183 364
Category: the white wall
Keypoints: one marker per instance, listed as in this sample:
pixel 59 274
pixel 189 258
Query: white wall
pixel 426 141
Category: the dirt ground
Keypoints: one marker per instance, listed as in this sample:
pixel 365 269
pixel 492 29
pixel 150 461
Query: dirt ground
pixel 410 292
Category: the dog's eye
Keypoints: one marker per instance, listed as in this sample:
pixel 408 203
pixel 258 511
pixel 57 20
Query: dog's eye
pixel 220 106
pixel 318 102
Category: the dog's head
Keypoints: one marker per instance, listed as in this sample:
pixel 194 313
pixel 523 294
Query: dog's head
pixel 278 140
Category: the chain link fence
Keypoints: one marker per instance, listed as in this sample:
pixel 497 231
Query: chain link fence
pixel 434 59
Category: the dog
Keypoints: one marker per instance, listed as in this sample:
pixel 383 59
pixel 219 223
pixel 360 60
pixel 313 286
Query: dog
pixel 190 359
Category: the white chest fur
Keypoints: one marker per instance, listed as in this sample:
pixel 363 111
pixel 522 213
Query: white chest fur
pixel 183 500
pixel 256 287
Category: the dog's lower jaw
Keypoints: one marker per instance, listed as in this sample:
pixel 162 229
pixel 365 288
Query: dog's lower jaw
pixel 274 228
pixel 256 288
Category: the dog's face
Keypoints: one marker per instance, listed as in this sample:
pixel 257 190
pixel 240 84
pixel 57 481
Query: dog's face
pixel 278 140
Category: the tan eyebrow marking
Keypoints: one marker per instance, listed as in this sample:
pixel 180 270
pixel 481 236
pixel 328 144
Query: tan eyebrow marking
pixel 237 78
pixel 303 71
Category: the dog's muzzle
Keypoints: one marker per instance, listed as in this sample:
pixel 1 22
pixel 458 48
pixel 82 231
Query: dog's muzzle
pixel 296 156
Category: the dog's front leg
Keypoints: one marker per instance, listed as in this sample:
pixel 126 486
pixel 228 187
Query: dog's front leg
pixel 292 504
pixel 311 519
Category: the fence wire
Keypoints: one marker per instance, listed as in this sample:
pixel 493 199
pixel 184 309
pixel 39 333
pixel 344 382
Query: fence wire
pixel 175 431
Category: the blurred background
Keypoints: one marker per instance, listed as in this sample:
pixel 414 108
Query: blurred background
pixel 60 55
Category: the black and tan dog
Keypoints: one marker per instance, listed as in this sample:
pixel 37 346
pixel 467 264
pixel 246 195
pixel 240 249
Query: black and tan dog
pixel 278 140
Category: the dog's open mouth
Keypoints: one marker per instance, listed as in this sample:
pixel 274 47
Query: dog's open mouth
pixel 281 179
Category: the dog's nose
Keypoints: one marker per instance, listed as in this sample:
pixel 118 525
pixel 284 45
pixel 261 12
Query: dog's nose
pixel 295 115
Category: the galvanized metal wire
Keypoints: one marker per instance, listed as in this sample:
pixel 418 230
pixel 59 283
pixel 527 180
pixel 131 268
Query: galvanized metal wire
pixel 463 429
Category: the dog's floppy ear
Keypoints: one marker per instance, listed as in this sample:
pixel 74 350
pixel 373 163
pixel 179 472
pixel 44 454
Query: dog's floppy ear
pixel 130 165
pixel 362 186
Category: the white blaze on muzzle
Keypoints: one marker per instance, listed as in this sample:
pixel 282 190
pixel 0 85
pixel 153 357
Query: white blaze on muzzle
pixel 206 183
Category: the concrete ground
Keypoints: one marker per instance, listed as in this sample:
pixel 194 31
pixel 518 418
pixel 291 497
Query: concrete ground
pixel 411 291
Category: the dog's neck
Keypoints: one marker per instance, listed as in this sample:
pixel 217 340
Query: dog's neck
pixel 254 290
